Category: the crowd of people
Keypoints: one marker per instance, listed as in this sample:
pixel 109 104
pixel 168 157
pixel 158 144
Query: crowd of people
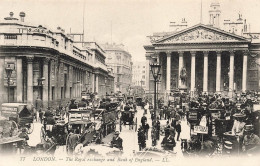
pixel 233 122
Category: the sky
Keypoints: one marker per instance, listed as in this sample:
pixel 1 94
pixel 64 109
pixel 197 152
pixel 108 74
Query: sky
pixel 125 21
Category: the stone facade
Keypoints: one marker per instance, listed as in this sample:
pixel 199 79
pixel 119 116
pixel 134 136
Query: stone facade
pixel 120 62
pixel 47 64
pixel 215 60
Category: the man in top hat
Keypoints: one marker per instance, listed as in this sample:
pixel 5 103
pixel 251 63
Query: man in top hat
pixel 251 142
pixel 117 142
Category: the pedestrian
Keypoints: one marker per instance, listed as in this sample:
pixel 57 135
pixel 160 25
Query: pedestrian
pixel 146 129
pixel 143 119
pixel 35 113
pixel 167 128
pixel 154 135
pixel 178 129
pixel 161 113
pixel 153 115
pixel 174 122
pixel 141 138
pixel 41 114
pixel 251 142
pixel 158 129
pixel 168 142
pixel 117 142
pixel 38 103
pixel 165 112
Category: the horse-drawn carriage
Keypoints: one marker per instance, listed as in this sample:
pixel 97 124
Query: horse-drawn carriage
pixel 19 113
pixel 80 124
pixel 128 118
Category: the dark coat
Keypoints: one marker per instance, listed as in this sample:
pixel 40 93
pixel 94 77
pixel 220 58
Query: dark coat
pixel 146 127
pixel 178 128
pixel 168 142
pixel 141 137
pixel 118 143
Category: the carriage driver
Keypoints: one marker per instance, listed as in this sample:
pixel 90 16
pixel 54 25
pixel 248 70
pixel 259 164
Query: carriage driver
pixel 117 142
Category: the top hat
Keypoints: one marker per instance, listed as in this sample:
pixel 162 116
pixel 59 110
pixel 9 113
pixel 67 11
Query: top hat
pixel 116 133
pixel 249 127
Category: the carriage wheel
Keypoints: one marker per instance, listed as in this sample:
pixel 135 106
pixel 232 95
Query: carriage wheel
pixel 120 125
pixel 43 134
pixel 135 124
pixel 30 128
pixel 14 125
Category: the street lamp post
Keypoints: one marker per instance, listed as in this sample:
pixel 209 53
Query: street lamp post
pixel 9 71
pixel 158 81
pixel 155 68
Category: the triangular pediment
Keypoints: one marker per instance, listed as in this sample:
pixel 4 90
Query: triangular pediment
pixel 200 34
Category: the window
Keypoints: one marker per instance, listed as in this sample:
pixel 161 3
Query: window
pixel 143 77
pixel 14 37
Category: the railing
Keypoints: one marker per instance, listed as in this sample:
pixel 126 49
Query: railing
pixel 38 41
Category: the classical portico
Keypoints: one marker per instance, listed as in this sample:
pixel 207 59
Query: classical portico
pixel 212 60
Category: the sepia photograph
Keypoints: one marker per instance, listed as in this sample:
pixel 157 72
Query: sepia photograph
pixel 129 82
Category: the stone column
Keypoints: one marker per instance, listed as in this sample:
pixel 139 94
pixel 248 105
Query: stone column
pixel 45 94
pixel 231 73
pixel 93 82
pixel 193 79
pixel 67 95
pixel 78 82
pixel 244 76
pixel 50 81
pixel 218 72
pixel 57 80
pixel 205 72
pixel 3 94
pixel 19 80
pixel 181 65
pixel 74 82
pixel 30 79
pixel 168 71
pixel 97 90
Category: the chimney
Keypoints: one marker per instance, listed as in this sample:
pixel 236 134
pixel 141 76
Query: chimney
pixel 22 15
